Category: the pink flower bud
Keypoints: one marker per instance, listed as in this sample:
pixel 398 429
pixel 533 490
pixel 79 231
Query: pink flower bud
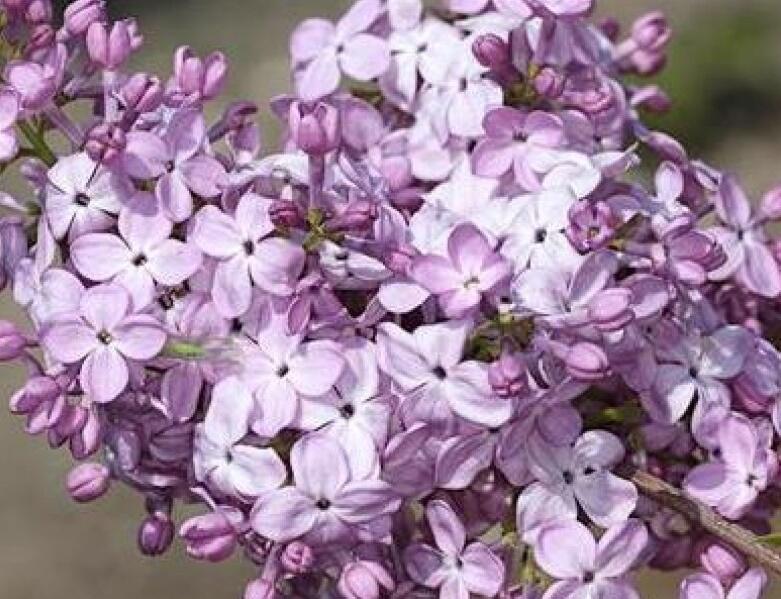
pixel 260 589
pixel 358 216
pixel 37 390
pixel 648 63
pixel 284 213
pixel 314 128
pixel 507 375
pixel 87 482
pixel 38 12
pixel 12 342
pixel 364 580
pixel 651 32
pixel 86 441
pixel 549 83
pixel 80 14
pixel 210 537
pixel 771 204
pixel 197 78
pixel 491 51
pixel 142 93
pixel 35 83
pixel 587 362
pixel 721 560
pixel 297 558
pixel 155 534
pixel 652 98
pixel 42 36
pixel 105 143
pixel 109 48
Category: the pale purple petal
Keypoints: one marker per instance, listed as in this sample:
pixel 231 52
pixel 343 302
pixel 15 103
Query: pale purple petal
pixel 365 57
pixel 68 339
pixel 701 586
pixel 283 515
pixel 749 586
pixel 227 419
pixel 100 256
pixel 482 571
pixel 315 368
pixel 174 196
pixel 105 306
pixel 277 265
pixel 232 289
pixel 566 549
pixel 204 175
pixel 256 470
pixel 319 466
pixel 310 38
pixel 216 233
pixel 173 261
pixel 104 375
pixel 621 547
pixel 447 528
pixel 606 498
pixel 425 565
pixel 139 337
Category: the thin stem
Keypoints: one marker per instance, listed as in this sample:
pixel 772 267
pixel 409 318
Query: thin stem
pixel 701 515
pixel 38 143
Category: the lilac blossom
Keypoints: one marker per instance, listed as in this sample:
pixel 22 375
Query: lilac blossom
pixel 453 567
pixel 706 586
pixel 103 336
pixel 326 504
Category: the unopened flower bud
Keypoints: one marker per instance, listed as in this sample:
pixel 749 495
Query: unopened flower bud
pixel 364 580
pixel 12 342
pixel 611 309
pixel 71 421
pixel 41 37
pixel 297 558
pixel 86 441
pixel 81 14
pixel 155 534
pixel 587 362
pixel 771 204
pixel 648 63
pixel 109 48
pixel 142 93
pixel 721 560
pixel 284 213
pixel 37 390
pixel 358 216
pixel 87 482
pixel 38 12
pixel 610 28
pixel 507 375
pixel 210 537
pixel 314 128
pixel 651 32
pixel 491 51
pixel 198 78
pixel 549 83
pixel 592 225
pixel 105 143
pixel 260 589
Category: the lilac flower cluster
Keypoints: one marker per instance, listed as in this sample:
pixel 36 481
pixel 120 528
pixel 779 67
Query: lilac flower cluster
pixel 424 350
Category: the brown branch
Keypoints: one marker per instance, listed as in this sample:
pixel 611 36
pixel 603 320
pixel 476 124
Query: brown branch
pixel 701 515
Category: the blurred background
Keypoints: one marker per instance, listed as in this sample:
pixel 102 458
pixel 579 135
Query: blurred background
pixel 724 78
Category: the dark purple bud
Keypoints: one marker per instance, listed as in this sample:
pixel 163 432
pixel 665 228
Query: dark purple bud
pixel 71 421
pixel 142 93
pixel 364 580
pixel 260 589
pixel 36 391
pixel 491 51
pixel 652 98
pixel 155 534
pixel 314 128
pixel 284 213
pixel 549 83
pixel 211 537
pixel 109 48
pixel 297 558
pixel 88 482
pixel 79 15
pixel 106 143
pixel 651 32
pixel 610 28
pixel 12 341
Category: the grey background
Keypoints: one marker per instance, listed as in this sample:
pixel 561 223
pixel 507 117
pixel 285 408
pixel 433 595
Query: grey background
pixel 727 65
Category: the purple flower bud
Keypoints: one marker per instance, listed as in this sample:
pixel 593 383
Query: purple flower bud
pixel 284 213
pixel 260 589
pixel 400 258
pixel 364 580
pixel 12 341
pixel 610 28
pixel 86 441
pixel 37 390
pixel 80 14
pixel 142 93
pixel 109 48
pixel 771 204
pixel 297 558
pixel 592 225
pixel 507 375
pixel 88 482
pixel 611 310
pixel 651 32
pixel 648 63
pixel 210 537
pixel 155 534
pixel 549 83
pixel 652 98
pixel 105 143
pixel 38 12
pixel 71 421
pixel 491 51
pixel 197 78
pixel 587 362
pixel 41 36
pixel 14 5
pixel 35 83
pixel 358 216
pixel 721 560
pixel 314 128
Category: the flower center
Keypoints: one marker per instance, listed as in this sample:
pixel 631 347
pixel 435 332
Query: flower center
pixel 249 247
pixel 323 504
pixel 104 337
pixel 81 199
pixel 283 370
pixel 347 410
pixel 440 373
pixel 139 260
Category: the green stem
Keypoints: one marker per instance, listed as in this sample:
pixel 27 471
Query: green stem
pixel 37 141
